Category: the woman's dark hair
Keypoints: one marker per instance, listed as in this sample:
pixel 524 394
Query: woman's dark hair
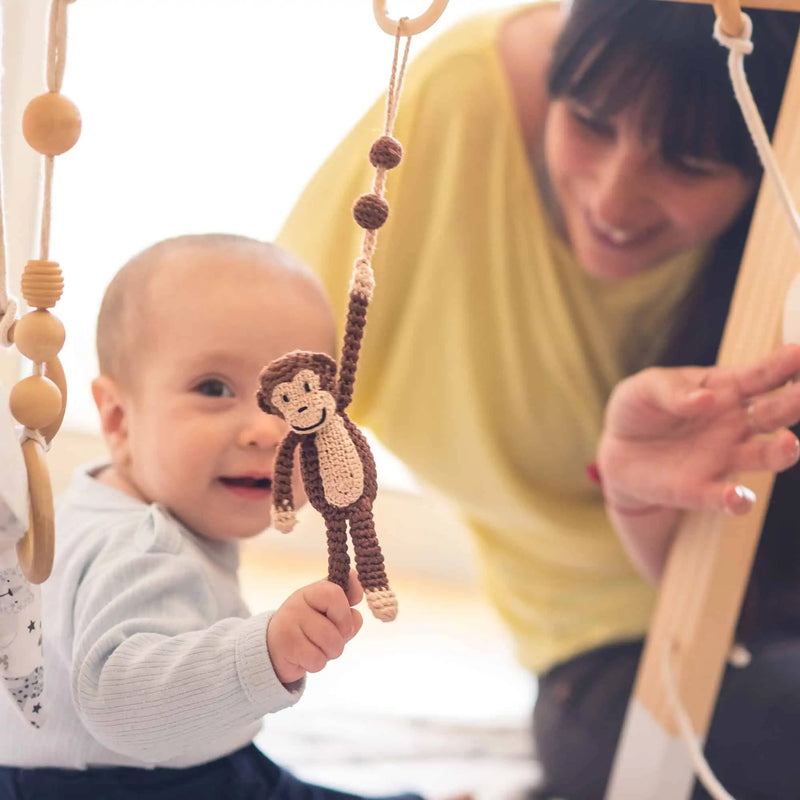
pixel 612 53
pixel 661 54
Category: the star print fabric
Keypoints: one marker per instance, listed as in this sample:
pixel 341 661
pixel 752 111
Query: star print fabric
pixel 21 657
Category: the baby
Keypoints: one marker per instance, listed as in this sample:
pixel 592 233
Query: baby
pixel 156 674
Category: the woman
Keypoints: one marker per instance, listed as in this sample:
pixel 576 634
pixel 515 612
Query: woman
pixel 571 210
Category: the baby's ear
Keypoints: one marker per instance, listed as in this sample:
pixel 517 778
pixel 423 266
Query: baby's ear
pixel 108 397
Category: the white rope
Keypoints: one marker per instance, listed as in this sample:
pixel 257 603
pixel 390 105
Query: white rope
pixel 701 767
pixel 36 436
pixel 8 304
pixel 740 46
pixel 9 317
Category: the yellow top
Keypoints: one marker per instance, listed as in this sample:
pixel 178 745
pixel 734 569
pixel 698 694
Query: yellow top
pixel 489 354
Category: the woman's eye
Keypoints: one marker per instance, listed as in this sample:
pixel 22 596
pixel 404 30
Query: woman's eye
pixel 286 398
pixel 599 126
pixel 691 165
pixel 213 387
pixel 307 386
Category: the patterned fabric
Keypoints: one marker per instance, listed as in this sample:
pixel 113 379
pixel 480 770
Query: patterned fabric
pixel 21 658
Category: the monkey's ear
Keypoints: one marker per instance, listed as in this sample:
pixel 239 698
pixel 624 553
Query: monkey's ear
pixel 263 401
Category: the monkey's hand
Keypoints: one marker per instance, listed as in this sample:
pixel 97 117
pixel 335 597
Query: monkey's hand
pixel 284 519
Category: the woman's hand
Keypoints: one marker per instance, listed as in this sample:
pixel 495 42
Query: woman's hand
pixel 677 438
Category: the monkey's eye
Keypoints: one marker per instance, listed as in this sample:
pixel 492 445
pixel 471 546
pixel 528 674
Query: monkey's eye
pixel 213 387
pixel 286 398
pixel 307 386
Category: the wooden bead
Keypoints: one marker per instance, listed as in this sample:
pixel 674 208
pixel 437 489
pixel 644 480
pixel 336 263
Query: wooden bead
pixel 39 336
pixel 386 152
pixel 51 124
pixel 370 211
pixel 35 402
pixel 42 283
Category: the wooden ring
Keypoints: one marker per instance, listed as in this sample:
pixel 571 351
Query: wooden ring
pixel 411 27
pixel 55 372
pixel 36 549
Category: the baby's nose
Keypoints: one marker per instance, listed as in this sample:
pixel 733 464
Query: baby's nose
pixel 262 430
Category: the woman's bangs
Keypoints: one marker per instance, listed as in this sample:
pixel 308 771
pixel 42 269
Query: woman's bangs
pixel 690 110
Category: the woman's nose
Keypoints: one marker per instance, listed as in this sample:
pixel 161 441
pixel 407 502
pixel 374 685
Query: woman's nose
pixel 621 190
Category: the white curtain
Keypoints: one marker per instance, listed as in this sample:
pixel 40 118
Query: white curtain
pixel 24 49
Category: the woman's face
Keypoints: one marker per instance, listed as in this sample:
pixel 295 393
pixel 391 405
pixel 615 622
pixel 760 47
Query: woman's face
pixel 622 207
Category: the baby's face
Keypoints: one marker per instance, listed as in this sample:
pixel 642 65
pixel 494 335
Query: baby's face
pixel 198 442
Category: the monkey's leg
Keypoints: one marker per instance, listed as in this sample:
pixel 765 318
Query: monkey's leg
pixel 338 559
pixel 369 563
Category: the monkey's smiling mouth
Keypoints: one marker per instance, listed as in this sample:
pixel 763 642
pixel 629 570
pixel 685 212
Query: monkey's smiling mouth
pixel 315 425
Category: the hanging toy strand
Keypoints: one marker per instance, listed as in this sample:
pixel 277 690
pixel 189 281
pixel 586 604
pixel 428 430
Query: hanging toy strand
pixel 338 469
pixel 51 125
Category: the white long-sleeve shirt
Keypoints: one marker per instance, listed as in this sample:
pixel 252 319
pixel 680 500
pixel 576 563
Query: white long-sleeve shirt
pixel 151 655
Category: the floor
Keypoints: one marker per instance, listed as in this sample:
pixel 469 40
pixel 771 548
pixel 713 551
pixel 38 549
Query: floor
pixel 432 702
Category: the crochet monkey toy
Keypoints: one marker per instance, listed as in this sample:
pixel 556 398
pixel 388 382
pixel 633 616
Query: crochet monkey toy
pixel 335 460
pixel 302 387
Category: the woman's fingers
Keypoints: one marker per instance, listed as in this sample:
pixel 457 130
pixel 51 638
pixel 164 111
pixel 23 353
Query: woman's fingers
pixel 737 499
pixel 780 409
pixel 770 372
pixel 772 453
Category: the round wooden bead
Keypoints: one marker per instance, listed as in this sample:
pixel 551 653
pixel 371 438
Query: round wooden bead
pixel 386 152
pixel 39 336
pixel 51 124
pixel 35 402
pixel 370 211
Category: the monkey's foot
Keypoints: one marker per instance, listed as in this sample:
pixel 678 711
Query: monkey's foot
pixel 382 603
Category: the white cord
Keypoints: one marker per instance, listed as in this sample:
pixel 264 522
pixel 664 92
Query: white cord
pixel 8 304
pixel 701 767
pixel 739 47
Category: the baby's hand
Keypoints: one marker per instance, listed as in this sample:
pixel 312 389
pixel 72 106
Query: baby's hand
pixel 312 627
pixel 284 520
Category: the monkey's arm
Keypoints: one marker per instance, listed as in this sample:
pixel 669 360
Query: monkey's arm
pixel 361 288
pixel 283 516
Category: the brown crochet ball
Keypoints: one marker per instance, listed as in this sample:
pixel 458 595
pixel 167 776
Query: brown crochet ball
pixel 370 211
pixel 386 152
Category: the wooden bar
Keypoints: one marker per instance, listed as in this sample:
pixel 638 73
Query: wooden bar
pixel 709 565
pixel 775 5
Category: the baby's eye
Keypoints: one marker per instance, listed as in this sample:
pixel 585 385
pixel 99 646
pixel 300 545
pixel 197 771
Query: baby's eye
pixel 307 386
pixel 213 387
pixel 286 398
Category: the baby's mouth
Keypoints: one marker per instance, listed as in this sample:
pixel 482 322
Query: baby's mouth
pixel 246 482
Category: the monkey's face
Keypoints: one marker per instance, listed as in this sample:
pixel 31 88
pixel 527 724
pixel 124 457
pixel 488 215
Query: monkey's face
pixel 304 404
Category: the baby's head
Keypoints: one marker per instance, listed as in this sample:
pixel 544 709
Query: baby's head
pixel 184 329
